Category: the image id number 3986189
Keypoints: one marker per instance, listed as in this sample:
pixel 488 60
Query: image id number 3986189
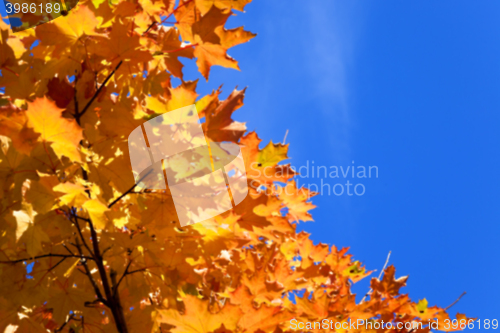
pixel 32 8
pixel 470 324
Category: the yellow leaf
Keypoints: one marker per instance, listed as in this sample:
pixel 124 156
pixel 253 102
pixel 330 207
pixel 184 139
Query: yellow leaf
pixel 64 134
pixel 41 194
pixel 75 194
pixel 272 154
pixel 96 211
pixel 29 233
pixel 66 31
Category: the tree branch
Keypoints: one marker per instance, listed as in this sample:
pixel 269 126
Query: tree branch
pixel 113 301
pixel 68 249
pixel 70 318
pixel 456 301
pixel 91 278
pixel 168 16
pixel 129 190
pixel 65 256
pixel 80 114
pixel 379 276
pixel 75 221
pixel 58 263
pixel 137 270
pixel 115 287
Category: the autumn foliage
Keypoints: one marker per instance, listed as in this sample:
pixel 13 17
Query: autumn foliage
pixel 81 250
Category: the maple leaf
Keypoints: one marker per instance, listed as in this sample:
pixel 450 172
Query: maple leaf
pixel 219 126
pixel 96 210
pixel 29 233
pixel 13 124
pixel 65 32
pixel 297 200
pixel 172 48
pixel 7 57
pixel 209 55
pixel 272 154
pixel 63 134
pixel 196 309
pixel 264 318
pixel 41 194
pixel 122 45
pixel 389 285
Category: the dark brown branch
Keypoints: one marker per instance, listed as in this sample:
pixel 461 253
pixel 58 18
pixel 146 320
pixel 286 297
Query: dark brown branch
pixel 91 278
pixel 121 196
pixel 64 245
pixel 113 302
pixel 50 255
pixel 129 190
pixel 115 287
pixel 149 28
pixel 75 221
pixel 137 271
pixel 58 263
pixel 106 250
pixel 80 114
pixel 70 318
pixel 456 301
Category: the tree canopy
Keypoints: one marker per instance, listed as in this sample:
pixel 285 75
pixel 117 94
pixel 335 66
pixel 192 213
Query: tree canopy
pixel 83 250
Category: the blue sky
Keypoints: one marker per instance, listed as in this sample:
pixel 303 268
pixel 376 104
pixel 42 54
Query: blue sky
pixel 411 87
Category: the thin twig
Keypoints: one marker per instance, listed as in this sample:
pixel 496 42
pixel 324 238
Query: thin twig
pixel 50 255
pixel 137 271
pixel 64 245
pixel 60 262
pixel 106 250
pixel 70 318
pixel 115 288
pixel 385 265
pixel 284 139
pixel 129 190
pixel 177 50
pixel 379 276
pixel 75 221
pixel 168 16
pixel 80 114
pixel 149 28
pixel 456 301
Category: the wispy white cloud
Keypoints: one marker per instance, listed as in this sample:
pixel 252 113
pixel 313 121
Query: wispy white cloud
pixel 333 29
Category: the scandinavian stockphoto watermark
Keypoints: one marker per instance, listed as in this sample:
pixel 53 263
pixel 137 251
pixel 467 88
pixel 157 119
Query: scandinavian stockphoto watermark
pixel 337 180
